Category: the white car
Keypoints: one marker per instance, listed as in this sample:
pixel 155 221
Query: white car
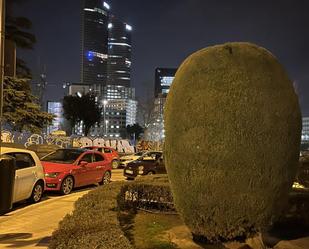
pixel 29 176
pixel 124 160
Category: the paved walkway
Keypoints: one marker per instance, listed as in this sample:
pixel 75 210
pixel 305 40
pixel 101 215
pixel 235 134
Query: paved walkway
pixel 30 226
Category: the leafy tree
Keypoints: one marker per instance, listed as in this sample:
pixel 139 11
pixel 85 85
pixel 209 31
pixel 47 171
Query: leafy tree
pixel 90 112
pixel 145 109
pixel 16 30
pixel 21 110
pixel 134 131
pixel 84 109
pixel 70 106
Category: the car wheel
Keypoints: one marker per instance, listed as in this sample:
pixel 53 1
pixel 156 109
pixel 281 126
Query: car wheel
pixel 150 173
pixel 67 185
pixel 115 164
pixel 106 178
pixel 37 193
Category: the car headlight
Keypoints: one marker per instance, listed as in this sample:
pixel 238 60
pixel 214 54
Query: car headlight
pixel 140 168
pixel 52 175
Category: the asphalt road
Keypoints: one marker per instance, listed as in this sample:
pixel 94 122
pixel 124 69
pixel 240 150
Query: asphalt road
pixel 30 226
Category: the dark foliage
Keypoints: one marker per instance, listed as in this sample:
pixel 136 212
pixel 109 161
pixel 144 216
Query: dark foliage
pixel 98 218
pixel 21 110
pixel 16 30
pixel 233 126
pixel 83 108
pixel 93 224
pixel 134 131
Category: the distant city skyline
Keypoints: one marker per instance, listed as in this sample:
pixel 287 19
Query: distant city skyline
pixel 166 32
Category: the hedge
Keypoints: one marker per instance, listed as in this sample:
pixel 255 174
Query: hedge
pixel 233 126
pixel 94 222
pixel 149 192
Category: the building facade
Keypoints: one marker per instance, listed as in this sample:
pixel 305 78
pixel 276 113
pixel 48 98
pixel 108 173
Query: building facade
pixel 118 92
pixel 56 109
pixel 163 80
pixel 119 53
pixel 305 130
pixel 155 128
pixel 106 68
pixel 95 15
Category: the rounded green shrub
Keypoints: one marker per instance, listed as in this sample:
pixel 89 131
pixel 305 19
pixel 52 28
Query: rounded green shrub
pixel 233 128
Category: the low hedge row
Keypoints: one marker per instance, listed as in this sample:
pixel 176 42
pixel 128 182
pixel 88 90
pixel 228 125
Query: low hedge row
pixel 94 223
pixel 148 192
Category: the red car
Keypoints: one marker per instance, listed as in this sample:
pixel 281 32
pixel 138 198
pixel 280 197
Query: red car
pixel 66 169
pixel 110 153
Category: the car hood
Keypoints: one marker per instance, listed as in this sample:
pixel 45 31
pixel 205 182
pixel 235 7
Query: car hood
pixel 129 157
pixel 50 167
pixel 135 163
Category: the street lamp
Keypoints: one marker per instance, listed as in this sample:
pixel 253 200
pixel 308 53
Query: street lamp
pixel 105 102
pixel 106 123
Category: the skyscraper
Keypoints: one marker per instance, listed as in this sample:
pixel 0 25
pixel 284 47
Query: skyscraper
pixel 95 14
pixel 163 80
pixel 119 53
pixel 106 67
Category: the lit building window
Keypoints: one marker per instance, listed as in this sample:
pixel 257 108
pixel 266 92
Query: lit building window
pixel 128 27
pixel 106 5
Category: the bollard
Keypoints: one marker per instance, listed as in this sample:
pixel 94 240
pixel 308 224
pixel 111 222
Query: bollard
pixel 7 179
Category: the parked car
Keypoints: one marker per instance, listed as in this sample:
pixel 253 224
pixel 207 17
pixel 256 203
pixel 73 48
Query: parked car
pixel 110 153
pixel 29 175
pixel 148 164
pixel 66 169
pixel 124 160
pixel 302 177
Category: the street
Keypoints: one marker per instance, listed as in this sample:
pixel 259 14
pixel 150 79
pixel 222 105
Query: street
pixel 29 226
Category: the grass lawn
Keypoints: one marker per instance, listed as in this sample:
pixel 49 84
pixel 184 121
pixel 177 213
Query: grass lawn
pixel 149 230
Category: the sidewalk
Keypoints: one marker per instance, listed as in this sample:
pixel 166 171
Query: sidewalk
pixel 31 227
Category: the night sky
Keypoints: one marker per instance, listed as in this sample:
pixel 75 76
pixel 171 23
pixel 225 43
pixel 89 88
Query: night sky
pixel 166 32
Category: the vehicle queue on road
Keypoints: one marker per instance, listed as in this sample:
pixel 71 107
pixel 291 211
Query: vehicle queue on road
pixel 63 170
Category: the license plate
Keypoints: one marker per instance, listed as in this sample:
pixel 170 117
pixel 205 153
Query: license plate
pixel 129 172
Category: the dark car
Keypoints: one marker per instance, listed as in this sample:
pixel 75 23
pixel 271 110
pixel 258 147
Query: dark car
pixel 148 164
pixel 302 177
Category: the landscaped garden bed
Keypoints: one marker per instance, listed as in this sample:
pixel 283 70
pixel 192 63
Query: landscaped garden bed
pixel 129 215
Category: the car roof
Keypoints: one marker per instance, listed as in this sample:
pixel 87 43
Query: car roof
pixel 11 149
pixel 96 147
pixel 74 149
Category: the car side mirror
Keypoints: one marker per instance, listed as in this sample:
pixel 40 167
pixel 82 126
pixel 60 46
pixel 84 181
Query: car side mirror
pixel 83 163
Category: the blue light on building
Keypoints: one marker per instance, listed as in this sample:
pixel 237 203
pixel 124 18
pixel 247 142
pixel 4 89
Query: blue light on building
pixel 90 56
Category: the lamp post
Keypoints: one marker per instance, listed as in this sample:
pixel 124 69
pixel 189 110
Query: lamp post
pixel 2 39
pixel 104 121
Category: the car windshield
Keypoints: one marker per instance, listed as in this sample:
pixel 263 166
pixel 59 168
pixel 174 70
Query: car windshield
pixel 63 156
pixel 151 157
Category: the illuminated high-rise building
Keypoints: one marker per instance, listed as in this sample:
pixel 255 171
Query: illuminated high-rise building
pixel 106 67
pixel 119 53
pixel 163 80
pixel 95 15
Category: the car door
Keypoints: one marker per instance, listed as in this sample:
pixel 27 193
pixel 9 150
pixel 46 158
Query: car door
pixel 88 174
pixel 25 175
pixel 108 154
pixel 101 164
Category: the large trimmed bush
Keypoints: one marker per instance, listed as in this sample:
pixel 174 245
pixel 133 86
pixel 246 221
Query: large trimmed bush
pixel 233 127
